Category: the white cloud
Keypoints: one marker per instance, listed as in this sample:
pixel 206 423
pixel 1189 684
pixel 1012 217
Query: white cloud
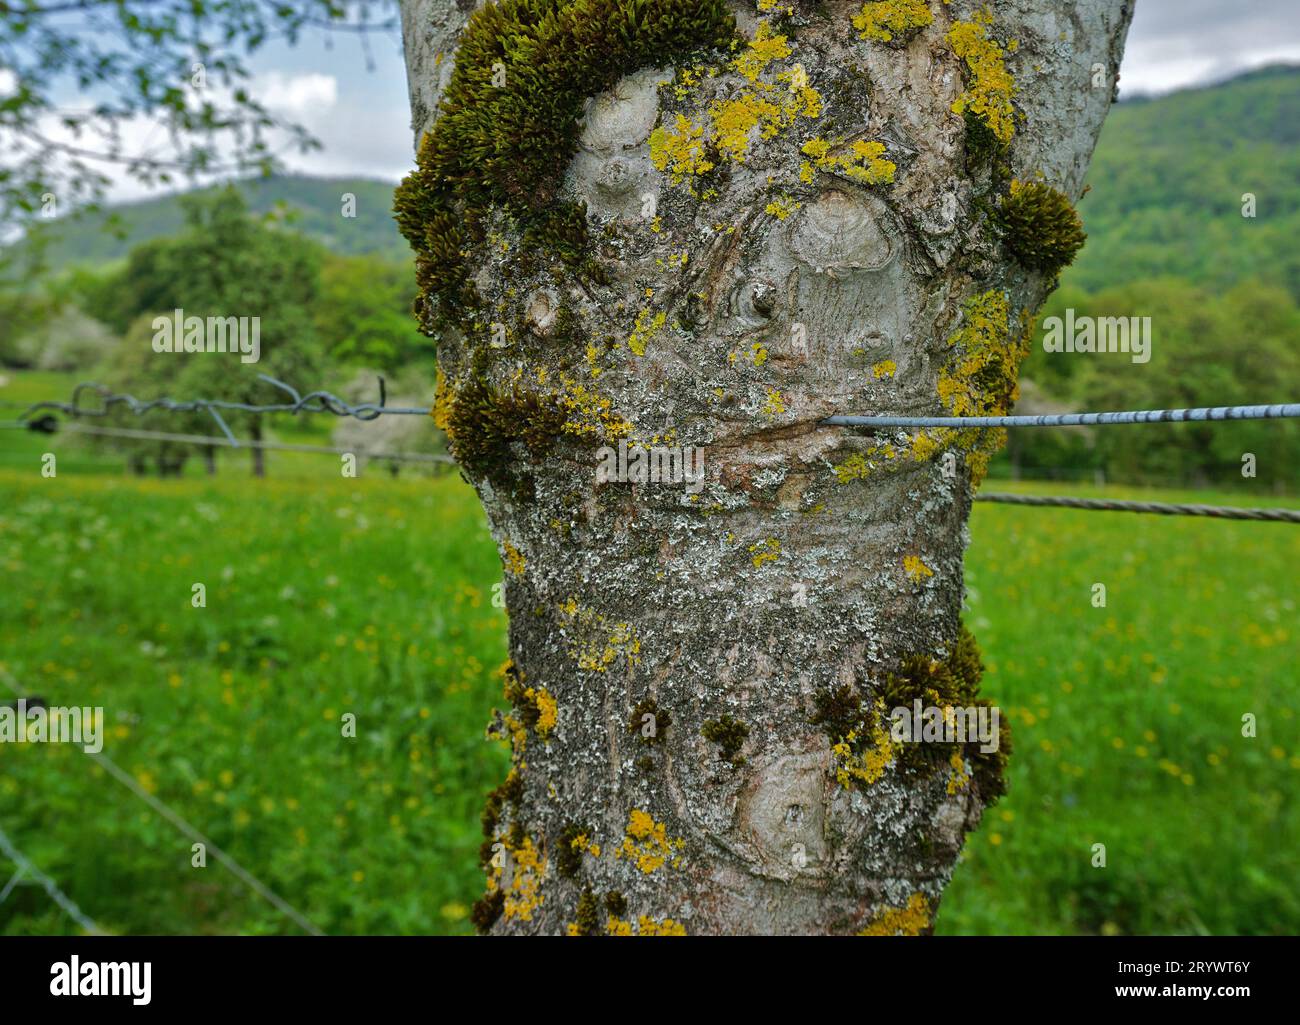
pixel 8 82
pixel 296 96
pixel 1195 42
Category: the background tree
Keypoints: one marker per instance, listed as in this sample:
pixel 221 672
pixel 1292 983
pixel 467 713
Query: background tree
pixel 229 265
pixel 364 315
pixel 764 218
pixel 1208 347
pixel 132 366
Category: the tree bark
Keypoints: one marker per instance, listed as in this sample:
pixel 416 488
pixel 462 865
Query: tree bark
pixel 699 681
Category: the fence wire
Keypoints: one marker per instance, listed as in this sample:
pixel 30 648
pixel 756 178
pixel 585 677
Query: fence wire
pixel 215 442
pixel 321 401
pixel 1221 512
pixel 313 402
pixel 236 869
pixel 27 870
pixel 1281 411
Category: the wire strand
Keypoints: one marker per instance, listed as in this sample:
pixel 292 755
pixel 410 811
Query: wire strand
pixel 60 898
pixel 1221 512
pixel 238 870
pixel 216 442
pixel 1132 416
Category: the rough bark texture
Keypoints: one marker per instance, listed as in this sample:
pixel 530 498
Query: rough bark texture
pixel 819 567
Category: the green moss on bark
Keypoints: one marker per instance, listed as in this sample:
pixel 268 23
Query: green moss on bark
pixel 484 421
pixel 637 721
pixel 508 123
pixel 1040 227
pixel 855 725
pixel 954 681
pixel 729 734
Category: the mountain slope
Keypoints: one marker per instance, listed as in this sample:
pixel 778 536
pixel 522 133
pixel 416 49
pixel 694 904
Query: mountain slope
pixel 316 202
pixel 1168 179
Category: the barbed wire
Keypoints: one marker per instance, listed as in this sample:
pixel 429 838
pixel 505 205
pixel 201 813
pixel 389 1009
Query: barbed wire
pixel 319 401
pixel 238 870
pixel 26 868
pixel 1222 512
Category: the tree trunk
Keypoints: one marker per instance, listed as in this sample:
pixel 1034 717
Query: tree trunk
pixel 810 223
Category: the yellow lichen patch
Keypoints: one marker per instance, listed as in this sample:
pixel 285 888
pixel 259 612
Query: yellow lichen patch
pixel 735 119
pixel 679 151
pixel 885 368
pixel 644 926
pixel 687 80
pixel 866 766
pixel 805 101
pixel 884 19
pixel 762 50
pixel 774 404
pixel 548 710
pixel 858 466
pixel 645 328
pixel 769 104
pixel 599 645
pixel 990 85
pixel 647 926
pixel 782 207
pixel 584 845
pixel 648 844
pixel 915 569
pixel 513 559
pixel 960 778
pixel 911 920
pixel 765 551
pixel 590 414
pixel 524 894
pixel 924 444
pixel 982 378
pixel 982 348
pixel 863 162
pixel 855 467
pixel 758 354
pixel 442 398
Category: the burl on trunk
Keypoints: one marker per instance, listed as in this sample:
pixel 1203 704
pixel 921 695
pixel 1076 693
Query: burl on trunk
pixel 655 231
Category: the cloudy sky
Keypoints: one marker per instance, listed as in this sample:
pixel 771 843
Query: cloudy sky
pixel 1173 44
pixel 361 115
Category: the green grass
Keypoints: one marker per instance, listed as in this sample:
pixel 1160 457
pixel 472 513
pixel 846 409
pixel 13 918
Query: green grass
pixel 373 596
pixel 366 596
pixel 1127 722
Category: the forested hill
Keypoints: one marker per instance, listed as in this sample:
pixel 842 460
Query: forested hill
pixel 1168 179
pixel 316 203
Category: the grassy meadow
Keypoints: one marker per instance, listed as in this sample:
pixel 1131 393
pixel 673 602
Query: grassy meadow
pixel 327 595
